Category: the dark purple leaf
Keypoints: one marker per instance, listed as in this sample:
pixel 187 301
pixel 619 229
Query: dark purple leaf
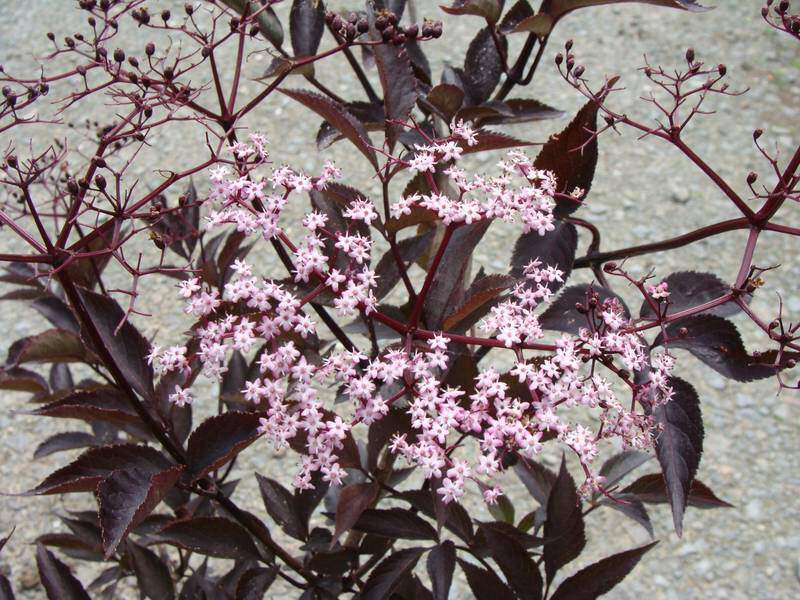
pixel 211 536
pixel 56 312
pixel 353 500
pixel 397 81
pixel 59 582
pixel 485 585
pixel 21 274
pixel 125 498
pixel 716 342
pixel 558 8
pixel 410 250
pixel 395 523
pixel 537 478
pixel 447 99
pixel 561 314
pixel 152 573
pixel 483 66
pixel 121 339
pixel 506 529
pixel 338 117
pixel 234 378
pixel 388 574
pixel 60 378
pixel 74 546
pixel 601 577
pixel 492 140
pixel 396 421
pixel 688 289
pixel 632 507
pixel 488 9
pixel 653 490
pixel 94 465
pixel 679 445
pixel 564 526
pixel 520 570
pixel 619 465
pixel 50 346
pixel 555 248
pixel 217 440
pixel 521 10
pixel 254 583
pixel 441 563
pixel 69 440
pixel 6 591
pixel 306 25
pixel 22 380
pixel 572 156
pixel 520 110
pixel 86 271
pixel 280 505
pixel 456 518
pixel 448 281
pixel 104 404
pixel 478 300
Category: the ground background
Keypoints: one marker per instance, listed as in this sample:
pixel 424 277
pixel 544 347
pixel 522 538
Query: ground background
pixel 643 191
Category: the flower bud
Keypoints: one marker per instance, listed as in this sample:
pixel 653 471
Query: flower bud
pixel 559 58
pixel 188 8
pixel 119 55
pixel 751 177
pixel 133 61
pixel 578 71
pixel 758 133
pixel 362 26
pixel 722 70
pixel 568 45
pixel 412 31
pixel 150 49
pixel 51 36
pixel 610 267
pixel 165 15
pixel 683 332
pixel 100 181
pixel 690 55
pixel 12 160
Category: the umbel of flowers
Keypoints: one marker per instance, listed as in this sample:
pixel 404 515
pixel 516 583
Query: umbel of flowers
pixel 290 388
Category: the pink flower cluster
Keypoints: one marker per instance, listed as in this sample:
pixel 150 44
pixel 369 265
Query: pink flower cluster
pixel 291 386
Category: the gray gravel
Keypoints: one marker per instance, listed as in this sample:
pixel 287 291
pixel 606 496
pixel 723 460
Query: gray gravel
pixel 643 191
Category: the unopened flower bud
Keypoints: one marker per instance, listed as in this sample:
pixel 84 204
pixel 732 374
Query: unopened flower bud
pixel 722 70
pixel 362 26
pixel 578 71
pixel 119 55
pixel 758 133
pixel 100 181
pixel 690 55
pixel 568 45
pixel 165 15
pixel 559 58
pixel 12 160
pixel 683 332
pixel 150 49
pixel 188 8
pixel 412 31
pixel 751 177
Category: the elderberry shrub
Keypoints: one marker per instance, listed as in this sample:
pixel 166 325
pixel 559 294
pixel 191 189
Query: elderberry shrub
pixel 383 375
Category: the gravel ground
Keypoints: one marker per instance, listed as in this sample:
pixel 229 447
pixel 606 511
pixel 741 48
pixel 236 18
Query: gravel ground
pixel 643 191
